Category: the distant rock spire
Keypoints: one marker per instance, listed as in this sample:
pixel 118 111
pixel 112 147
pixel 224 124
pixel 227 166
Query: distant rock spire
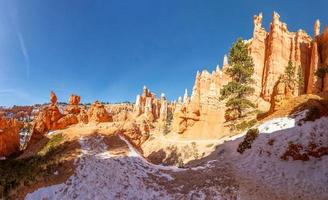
pixel 217 68
pixel 225 60
pixel 185 96
pixel 316 28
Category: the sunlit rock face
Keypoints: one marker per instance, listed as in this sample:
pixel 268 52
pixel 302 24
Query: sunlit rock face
pixel 271 52
pixel 9 136
pixel 97 113
pixel 149 106
pixel 50 118
pixel 73 105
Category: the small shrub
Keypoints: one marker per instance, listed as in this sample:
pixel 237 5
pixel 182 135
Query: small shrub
pixel 271 141
pixel 194 150
pixel 312 114
pixel 180 163
pixel 294 151
pixel 250 136
pixel 246 124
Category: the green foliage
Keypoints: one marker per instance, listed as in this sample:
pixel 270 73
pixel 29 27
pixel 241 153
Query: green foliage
pixel 246 124
pixel 300 76
pixel 312 114
pixel 180 163
pixel 290 72
pixel 167 127
pixel 321 71
pixel 194 150
pixel 241 69
pixel 250 136
pixel 53 142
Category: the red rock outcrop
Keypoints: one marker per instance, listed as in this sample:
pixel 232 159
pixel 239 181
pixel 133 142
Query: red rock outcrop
pixel 9 136
pixel 73 106
pixel 138 133
pixel 53 98
pixel 98 113
pixel 65 121
pixel 82 117
pixel 50 118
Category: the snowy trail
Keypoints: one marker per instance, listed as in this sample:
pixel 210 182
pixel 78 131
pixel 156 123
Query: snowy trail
pixel 100 175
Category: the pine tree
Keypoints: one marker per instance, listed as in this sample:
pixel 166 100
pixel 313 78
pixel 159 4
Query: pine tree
pixel 241 69
pixel 290 74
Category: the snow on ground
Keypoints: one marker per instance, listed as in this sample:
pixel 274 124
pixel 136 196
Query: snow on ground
pixel 100 175
pixel 281 123
pixel 259 173
pixel 263 168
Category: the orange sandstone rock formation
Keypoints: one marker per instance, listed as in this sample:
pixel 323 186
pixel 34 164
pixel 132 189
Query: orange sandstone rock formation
pixel 9 136
pixel 148 106
pixel 271 52
pixel 73 106
pixel 98 113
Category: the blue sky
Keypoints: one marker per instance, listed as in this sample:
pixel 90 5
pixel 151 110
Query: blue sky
pixel 107 50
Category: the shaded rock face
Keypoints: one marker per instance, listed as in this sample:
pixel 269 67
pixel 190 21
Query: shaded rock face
pixel 9 136
pixel 322 57
pixel 97 113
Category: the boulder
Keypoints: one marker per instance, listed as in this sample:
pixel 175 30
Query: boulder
pixel 65 121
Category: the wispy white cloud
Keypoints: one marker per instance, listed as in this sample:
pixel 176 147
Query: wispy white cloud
pixel 24 52
pixel 15 96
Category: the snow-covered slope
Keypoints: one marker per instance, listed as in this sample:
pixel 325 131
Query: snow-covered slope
pixel 101 175
pixel 262 169
pixel 259 173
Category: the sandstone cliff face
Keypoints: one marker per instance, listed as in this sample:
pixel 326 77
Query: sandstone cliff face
pixel 284 46
pixel 271 52
pixel 9 136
